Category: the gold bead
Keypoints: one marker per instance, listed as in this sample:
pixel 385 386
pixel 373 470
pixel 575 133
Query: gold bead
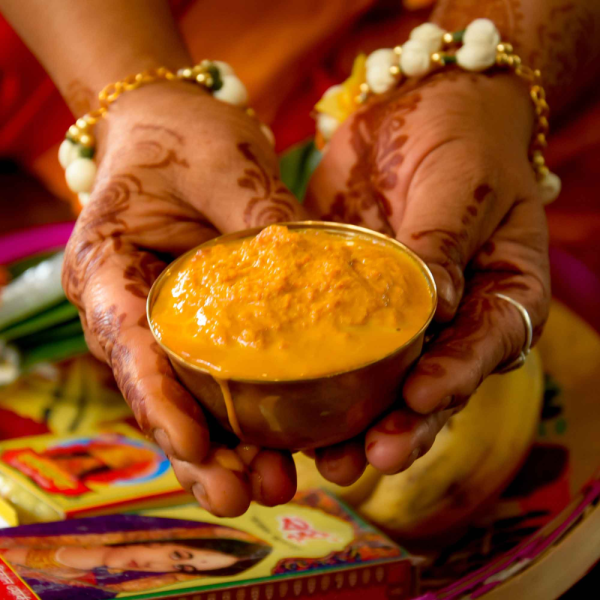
pixel 436 58
pixel 501 48
pixel 364 88
pixel 395 70
pixel 187 73
pixel 82 124
pixel 516 60
pixel 543 123
pixel 538 159
pixel 537 93
pixel 398 50
pixel 502 60
pixel 542 171
pixel 508 48
pixel 251 112
pixel 540 140
pixel 201 78
pixel 87 140
pixel 447 38
pixel 74 132
pixel 537 73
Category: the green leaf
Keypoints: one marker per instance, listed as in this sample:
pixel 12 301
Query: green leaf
pixel 53 334
pixel 33 292
pixel 53 316
pixel 297 165
pixel 54 352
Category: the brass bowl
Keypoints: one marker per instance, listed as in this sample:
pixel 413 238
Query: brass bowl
pixel 311 412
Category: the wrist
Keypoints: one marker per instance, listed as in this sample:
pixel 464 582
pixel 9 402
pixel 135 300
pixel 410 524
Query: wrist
pixel 496 106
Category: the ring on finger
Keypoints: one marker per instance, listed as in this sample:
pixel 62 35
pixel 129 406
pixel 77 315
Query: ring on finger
pixel 520 360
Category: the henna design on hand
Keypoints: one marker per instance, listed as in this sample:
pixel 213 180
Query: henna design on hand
pixel 106 326
pixel 377 141
pixel 273 202
pixel 103 225
pixel 142 272
pixel 474 319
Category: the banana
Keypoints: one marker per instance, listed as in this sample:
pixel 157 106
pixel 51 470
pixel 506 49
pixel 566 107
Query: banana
pixel 472 459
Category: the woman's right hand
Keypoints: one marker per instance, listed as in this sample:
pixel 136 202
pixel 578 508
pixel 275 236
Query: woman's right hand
pixel 176 168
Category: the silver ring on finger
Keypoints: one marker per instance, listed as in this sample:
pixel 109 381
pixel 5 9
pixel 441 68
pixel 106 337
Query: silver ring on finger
pixel 520 360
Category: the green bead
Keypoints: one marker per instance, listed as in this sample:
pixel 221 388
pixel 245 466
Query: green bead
pixel 85 152
pixel 457 36
pixel 213 71
pixel 449 60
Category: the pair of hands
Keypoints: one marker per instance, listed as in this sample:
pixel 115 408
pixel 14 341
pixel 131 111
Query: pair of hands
pixel 440 164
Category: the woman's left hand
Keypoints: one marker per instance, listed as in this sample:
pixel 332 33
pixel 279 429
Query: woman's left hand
pixel 442 165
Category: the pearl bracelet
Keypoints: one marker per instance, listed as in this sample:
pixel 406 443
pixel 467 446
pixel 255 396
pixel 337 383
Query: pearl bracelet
pixel 476 48
pixel 76 153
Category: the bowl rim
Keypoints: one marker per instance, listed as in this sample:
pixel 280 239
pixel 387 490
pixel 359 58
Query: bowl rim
pixel 294 225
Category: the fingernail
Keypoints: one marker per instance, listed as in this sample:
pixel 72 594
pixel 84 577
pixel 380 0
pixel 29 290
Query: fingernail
pixel 332 457
pixel 163 441
pixel 201 496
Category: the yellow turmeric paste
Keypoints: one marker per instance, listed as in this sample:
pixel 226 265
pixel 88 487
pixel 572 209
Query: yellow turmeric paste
pixel 291 304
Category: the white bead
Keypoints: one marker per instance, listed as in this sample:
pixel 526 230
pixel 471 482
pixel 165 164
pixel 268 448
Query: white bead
pixel 268 133
pixel 233 91
pixel 481 31
pixel 333 90
pixel 383 57
pixel 415 60
pixel 224 68
pixel 67 153
pixel 549 187
pixel 327 125
pixel 80 175
pixel 429 35
pixel 378 74
pixel 476 57
pixel 84 198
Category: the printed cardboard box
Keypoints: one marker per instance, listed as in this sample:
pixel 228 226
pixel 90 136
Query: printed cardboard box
pixel 50 477
pixel 313 547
